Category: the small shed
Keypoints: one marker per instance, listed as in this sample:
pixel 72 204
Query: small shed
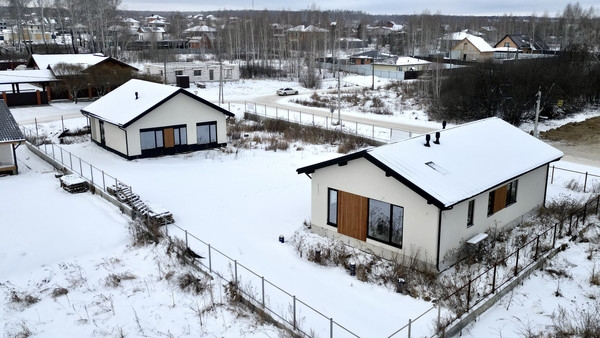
pixel 26 87
pixel 10 138
pixel 146 119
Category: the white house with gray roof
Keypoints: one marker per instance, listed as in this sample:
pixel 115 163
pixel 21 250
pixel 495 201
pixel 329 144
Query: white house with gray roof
pixel 146 119
pixel 423 198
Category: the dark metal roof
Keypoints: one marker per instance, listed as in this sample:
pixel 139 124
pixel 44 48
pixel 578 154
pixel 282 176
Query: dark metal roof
pixel 9 129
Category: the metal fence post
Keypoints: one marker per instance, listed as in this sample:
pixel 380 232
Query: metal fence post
pixel 554 235
pixel 186 239
pixel 585 182
pixel 235 271
pixel 294 312
pixel 552 178
pixel 209 259
pixel 517 263
pixel 103 181
pixel 409 326
pixel 468 294
pixel 53 156
pixel 263 290
pixel 70 160
pixel 330 327
pixel 92 173
pixel 80 167
pixel 494 279
pixel 537 246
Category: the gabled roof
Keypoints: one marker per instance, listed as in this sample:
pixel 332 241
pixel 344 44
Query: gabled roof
pixel 526 41
pixel 27 76
pixel 121 108
pixel 9 129
pixel 470 159
pixel 409 61
pixel 479 43
pixel 49 61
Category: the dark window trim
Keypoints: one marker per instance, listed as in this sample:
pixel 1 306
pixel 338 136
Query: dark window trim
pixel 470 213
pixel 389 241
pixel 510 199
pixel 161 129
pixel 337 194
pixel 208 124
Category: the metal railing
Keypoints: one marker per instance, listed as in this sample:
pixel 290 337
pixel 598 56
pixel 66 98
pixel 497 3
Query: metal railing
pixel 346 125
pixel 275 300
pixel 263 293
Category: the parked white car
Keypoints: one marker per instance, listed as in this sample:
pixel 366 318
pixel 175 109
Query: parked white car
pixel 286 91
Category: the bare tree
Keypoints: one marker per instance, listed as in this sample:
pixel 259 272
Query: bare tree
pixel 72 76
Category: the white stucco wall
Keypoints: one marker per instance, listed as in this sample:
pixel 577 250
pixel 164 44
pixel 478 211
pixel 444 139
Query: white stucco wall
pixel 361 177
pixel 95 129
pixel 115 138
pixel 179 110
pixel 6 154
pixel 421 220
pixel 530 195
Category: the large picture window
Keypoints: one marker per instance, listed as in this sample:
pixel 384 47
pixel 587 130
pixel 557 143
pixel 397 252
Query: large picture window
pixel 332 207
pixel 207 133
pixel 385 222
pixel 180 135
pixel 502 197
pixel 151 139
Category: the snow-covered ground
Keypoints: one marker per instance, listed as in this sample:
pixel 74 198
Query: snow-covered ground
pixel 240 203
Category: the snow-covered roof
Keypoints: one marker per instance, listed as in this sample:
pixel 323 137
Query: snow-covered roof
pixel 480 44
pixel 134 99
pixel 26 76
pixel 470 159
pixel 43 61
pixel 408 61
pixel 9 129
pixel 203 28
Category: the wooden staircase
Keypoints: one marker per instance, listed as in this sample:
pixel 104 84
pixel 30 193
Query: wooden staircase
pixel 124 194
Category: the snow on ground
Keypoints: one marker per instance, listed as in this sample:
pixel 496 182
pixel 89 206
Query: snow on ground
pixel 240 203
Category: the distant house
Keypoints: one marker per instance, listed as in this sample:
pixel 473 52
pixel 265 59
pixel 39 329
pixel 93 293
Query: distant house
pixel 103 71
pixel 404 64
pixel 423 198
pixel 10 138
pixel 145 119
pixel 87 61
pixel 196 71
pixel 472 48
pixel 524 43
pixel 369 57
pixel 26 87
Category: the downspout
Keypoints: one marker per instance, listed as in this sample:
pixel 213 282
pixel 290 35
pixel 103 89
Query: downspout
pixel 546 185
pixel 439 240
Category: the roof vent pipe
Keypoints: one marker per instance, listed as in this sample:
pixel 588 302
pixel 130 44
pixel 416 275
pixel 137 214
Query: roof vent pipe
pixel 444 124
pixel 427 139
pixel 136 95
pixel 437 137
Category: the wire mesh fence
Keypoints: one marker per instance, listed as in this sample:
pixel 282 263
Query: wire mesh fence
pixel 305 319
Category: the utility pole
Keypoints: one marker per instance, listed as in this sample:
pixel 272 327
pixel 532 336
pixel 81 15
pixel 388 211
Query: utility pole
pixel 221 100
pixel 537 113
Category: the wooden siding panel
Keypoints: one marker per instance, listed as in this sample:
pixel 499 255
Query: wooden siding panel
pixel 500 198
pixel 352 215
pixel 169 137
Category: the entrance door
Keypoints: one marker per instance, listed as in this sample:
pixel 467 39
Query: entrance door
pixel 169 137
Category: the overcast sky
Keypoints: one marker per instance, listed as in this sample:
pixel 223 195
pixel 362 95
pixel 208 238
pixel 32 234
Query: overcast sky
pixel 462 7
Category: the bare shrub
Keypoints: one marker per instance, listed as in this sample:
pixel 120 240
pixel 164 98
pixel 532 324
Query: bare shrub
pixel 578 323
pixel 595 276
pixel 60 291
pixel 144 234
pixel 277 144
pixel 189 282
pixel 23 298
pixel 114 280
pixel 232 292
pixel 574 185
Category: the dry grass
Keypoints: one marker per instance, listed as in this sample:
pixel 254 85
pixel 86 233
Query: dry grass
pixel 585 132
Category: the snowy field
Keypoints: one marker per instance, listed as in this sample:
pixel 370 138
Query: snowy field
pixel 239 203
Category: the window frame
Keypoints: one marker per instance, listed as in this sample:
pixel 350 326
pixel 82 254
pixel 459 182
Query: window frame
pixel 512 189
pixel 197 72
pixel 155 132
pixel 178 72
pixel 331 222
pixel 391 225
pixel 511 192
pixel 470 213
pixel 210 136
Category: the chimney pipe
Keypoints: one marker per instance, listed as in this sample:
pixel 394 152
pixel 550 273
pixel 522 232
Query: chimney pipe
pixel 437 137
pixel 136 95
pixel 444 124
pixel 427 138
